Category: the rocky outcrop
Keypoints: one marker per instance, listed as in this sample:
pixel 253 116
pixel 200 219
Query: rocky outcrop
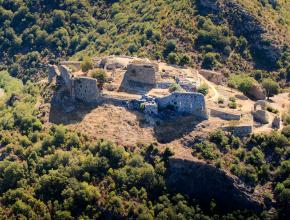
pixel 215 77
pixel 206 182
pixel 256 92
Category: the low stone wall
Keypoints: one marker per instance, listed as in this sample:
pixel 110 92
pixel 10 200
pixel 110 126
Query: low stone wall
pixel 261 116
pixel 225 115
pixel 212 76
pixel 187 103
pixel 239 130
pixel 75 64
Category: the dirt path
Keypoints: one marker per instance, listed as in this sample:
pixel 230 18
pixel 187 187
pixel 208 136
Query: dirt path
pixel 212 87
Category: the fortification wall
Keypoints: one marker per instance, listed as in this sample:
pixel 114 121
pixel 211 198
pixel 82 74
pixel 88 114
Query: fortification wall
pixel 240 130
pixel 75 64
pixel 141 73
pixel 85 89
pixel 66 75
pixel 225 115
pixel 188 103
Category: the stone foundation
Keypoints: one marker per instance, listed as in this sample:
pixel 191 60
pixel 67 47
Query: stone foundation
pixel 239 130
pixel 225 115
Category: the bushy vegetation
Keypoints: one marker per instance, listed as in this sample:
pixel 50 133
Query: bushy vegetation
pixel 35 32
pixel 56 173
pixel 258 159
pixel 203 89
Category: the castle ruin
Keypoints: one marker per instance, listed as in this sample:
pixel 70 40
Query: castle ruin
pixel 138 76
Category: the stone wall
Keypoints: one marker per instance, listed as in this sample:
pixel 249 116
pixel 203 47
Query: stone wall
pixel 239 130
pixel 75 64
pixel 66 75
pixel 261 116
pixel 143 74
pixel 185 103
pixel 213 76
pixel 225 115
pixel 85 89
pixel 53 71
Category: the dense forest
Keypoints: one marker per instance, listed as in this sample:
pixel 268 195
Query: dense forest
pixel 181 32
pixel 51 172
pixel 55 173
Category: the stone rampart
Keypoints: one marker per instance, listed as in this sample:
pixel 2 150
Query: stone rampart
pixel 225 115
pixel 185 103
pixel 141 73
pixel 75 64
pixel 85 89
pixel 239 130
pixel 66 75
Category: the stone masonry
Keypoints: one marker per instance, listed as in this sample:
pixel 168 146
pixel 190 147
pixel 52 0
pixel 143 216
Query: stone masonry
pixel 85 89
pixel 186 103
pixel 140 75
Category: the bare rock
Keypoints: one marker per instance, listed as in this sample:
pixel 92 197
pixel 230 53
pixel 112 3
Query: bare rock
pixel 256 92
pixel 206 182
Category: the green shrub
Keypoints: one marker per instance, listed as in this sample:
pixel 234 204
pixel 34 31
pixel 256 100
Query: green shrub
pixel 241 82
pixel 286 131
pixel 203 89
pixel 184 60
pixel 286 118
pixel 175 87
pixel 87 65
pixel 169 47
pixel 232 105
pixel 173 58
pixel 232 99
pixel 101 77
pixel 271 87
pixel 221 100
pixel 210 60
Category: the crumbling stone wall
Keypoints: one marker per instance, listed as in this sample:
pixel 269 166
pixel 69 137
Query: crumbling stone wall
pixel 140 74
pixel 52 72
pixel 66 75
pixel 75 64
pixel 186 103
pixel 239 130
pixel 85 89
pixel 225 115
pixel 261 116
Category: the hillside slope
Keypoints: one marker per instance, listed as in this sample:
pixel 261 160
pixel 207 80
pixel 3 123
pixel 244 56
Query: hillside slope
pixel 181 32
